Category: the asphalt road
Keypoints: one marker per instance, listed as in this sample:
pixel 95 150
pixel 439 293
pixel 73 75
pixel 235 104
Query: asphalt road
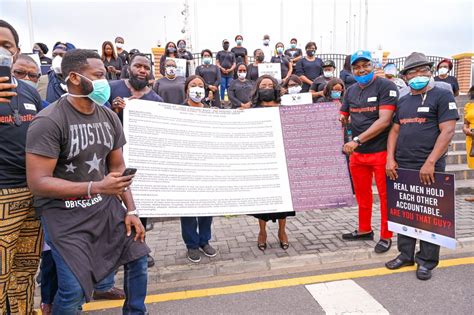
pixel 450 291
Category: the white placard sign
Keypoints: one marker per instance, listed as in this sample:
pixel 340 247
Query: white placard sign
pixel 205 162
pixel 180 66
pixel 271 69
pixel 297 99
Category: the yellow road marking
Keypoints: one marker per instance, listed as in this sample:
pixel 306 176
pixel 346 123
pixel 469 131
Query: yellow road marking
pixel 272 284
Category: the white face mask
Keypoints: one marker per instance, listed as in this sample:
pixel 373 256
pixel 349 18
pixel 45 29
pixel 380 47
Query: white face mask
pixel 197 93
pixel 119 45
pixel 56 64
pixel 443 71
pixel 266 42
pixel 294 89
pixel 328 74
pixel 171 71
pixel 242 75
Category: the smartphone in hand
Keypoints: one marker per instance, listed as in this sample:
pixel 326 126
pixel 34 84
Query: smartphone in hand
pixel 129 171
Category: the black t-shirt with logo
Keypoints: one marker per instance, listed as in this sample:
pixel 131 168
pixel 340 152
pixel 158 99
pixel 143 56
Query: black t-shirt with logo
pixel 13 138
pixel 419 117
pixel 89 233
pixel 363 105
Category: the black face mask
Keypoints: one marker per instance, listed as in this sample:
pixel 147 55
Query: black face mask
pixel 260 58
pixel 137 83
pixel 310 52
pixel 225 46
pixel 266 95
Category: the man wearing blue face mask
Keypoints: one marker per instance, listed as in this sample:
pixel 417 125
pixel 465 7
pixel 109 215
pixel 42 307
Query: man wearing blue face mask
pixel 74 167
pixel 423 127
pixel 370 104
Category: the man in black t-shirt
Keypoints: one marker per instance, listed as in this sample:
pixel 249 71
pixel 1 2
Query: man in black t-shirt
pixel 20 230
pixel 74 166
pixel 370 104
pixel 424 125
pixel 225 61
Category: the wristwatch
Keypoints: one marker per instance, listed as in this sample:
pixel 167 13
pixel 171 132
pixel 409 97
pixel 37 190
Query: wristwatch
pixel 133 212
pixel 356 140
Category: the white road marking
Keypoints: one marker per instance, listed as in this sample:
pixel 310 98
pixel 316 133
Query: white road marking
pixel 345 297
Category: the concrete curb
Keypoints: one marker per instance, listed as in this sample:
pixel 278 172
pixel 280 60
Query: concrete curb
pixel 159 276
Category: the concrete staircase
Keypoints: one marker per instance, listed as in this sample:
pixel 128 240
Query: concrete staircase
pixel 457 155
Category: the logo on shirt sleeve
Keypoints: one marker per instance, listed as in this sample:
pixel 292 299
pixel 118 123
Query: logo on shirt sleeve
pixel 393 93
pixel 452 105
pixel 372 99
pixel 29 106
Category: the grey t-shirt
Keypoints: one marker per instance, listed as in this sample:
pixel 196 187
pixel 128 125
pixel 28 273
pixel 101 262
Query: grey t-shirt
pixel 171 91
pixel 89 233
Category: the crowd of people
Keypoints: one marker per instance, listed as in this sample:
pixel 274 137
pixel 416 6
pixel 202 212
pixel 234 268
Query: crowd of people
pixel 65 197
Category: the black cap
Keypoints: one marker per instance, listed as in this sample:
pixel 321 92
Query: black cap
pixel 329 63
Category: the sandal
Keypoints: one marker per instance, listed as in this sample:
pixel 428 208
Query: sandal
pixel 262 242
pixel 383 246
pixel 284 246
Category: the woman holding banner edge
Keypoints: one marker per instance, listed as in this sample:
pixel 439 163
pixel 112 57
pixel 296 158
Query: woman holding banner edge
pixel 267 94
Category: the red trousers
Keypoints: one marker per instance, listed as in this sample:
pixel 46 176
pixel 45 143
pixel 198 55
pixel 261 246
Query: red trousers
pixel 363 167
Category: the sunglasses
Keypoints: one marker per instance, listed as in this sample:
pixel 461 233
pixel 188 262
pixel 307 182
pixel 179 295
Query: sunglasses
pixel 20 74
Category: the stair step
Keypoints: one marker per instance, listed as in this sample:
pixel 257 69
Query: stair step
pixel 459 135
pixel 458 145
pixel 456 157
pixel 461 171
pixel 465 186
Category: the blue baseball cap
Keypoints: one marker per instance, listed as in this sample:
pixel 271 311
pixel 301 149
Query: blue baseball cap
pixel 361 54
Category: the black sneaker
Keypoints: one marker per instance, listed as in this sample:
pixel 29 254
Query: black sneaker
pixel 150 261
pixel 194 255
pixel 355 236
pixel 208 250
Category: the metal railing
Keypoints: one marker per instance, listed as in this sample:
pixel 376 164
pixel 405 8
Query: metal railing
pixel 339 60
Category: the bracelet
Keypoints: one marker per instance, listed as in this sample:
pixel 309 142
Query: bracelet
pixel 133 212
pixel 89 187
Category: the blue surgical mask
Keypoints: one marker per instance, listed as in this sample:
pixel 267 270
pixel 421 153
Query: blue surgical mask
pixel 293 46
pixel 335 95
pixel 364 79
pixel 419 82
pixel 238 42
pixel 206 60
pixel 280 50
pixel 100 90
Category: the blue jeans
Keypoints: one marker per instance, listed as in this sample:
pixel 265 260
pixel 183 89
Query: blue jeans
pixel 194 238
pixel 70 295
pixel 225 83
pixel 49 279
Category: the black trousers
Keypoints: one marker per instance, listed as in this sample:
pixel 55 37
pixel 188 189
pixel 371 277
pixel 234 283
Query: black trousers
pixel 428 256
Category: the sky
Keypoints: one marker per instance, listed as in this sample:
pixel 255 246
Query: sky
pixel 436 27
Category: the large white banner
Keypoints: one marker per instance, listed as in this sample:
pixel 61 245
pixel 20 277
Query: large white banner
pixel 200 161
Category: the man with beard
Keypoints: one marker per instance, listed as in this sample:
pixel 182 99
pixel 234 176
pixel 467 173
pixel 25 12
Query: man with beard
pixel 135 87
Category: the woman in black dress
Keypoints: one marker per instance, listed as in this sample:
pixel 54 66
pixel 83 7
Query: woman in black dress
pixel 267 94
pixel 112 63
